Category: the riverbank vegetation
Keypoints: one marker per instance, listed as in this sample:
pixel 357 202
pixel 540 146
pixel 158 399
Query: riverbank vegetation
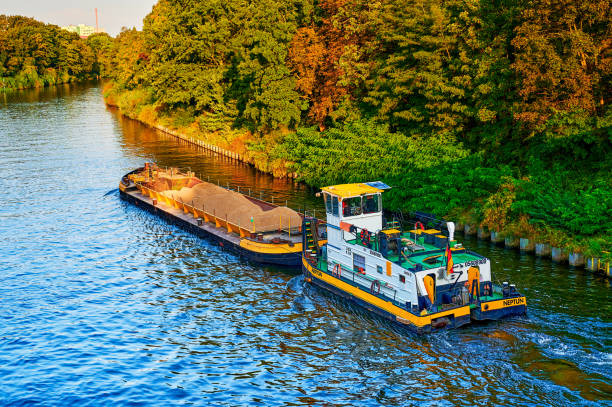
pixel 494 112
pixel 35 54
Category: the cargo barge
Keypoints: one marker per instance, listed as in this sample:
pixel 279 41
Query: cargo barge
pixel 422 279
pixel 252 228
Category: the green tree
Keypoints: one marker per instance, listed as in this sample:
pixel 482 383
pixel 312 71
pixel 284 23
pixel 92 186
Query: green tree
pixel 37 54
pixel 421 81
pixel 102 46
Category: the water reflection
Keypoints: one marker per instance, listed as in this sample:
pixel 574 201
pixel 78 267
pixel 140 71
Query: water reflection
pixel 45 94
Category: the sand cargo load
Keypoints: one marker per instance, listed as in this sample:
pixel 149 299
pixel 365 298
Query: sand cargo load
pixel 258 230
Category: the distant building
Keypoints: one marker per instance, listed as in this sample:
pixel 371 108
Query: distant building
pixel 71 28
pixel 83 30
pixel 86 30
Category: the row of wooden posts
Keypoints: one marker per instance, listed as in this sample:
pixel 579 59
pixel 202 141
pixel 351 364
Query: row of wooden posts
pixel 208 146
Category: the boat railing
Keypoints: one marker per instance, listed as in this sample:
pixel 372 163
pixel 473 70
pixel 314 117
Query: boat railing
pixel 480 256
pixel 366 281
pixel 254 194
pixel 220 220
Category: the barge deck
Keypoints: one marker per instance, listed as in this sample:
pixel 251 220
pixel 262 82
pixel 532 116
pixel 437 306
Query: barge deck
pixel 278 247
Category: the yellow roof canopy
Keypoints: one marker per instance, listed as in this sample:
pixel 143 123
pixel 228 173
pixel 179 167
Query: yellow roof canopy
pixel 349 190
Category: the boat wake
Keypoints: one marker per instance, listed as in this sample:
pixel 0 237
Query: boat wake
pixel 112 192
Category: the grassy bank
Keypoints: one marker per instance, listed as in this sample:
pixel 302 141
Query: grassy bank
pixel 567 204
pixel 138 104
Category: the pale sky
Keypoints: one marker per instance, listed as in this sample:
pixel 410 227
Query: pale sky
pixel 112 14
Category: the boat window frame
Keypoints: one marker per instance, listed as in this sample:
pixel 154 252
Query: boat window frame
pixel 328 202
pixel 335 205
pixel 358 207
pixel 378 203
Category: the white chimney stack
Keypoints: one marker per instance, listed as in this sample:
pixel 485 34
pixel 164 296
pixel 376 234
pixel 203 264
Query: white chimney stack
pixel 451 230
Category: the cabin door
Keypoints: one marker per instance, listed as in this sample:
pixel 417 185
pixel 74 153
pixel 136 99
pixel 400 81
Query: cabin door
pixel 474 281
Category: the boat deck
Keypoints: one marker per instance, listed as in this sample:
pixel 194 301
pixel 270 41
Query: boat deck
pixel 209 227
pixel 185 217
pixel 419 252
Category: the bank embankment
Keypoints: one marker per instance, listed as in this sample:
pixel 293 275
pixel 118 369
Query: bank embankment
pixel 32 80
pixel 240 145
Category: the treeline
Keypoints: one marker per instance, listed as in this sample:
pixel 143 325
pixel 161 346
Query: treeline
pixel 34 54
pixel 495 112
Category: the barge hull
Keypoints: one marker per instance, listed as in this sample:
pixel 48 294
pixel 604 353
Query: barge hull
pixel 223 239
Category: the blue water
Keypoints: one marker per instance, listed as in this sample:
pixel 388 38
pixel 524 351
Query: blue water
pixel 102 303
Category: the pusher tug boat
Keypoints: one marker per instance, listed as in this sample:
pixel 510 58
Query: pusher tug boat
pixel 257 230
pixel 422 279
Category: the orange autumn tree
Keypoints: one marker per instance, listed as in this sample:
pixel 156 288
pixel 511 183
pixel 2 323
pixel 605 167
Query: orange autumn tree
pixel 328 56
pixel 563 60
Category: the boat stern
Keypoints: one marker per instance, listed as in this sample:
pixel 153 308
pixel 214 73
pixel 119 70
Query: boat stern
pixel 498 309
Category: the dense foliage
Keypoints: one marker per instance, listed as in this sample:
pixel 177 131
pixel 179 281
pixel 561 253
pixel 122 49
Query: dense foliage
pixel 491 111
pixel 34 54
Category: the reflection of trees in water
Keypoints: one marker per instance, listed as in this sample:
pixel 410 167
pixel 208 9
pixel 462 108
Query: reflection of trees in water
pixel 45 94
pixel 169 151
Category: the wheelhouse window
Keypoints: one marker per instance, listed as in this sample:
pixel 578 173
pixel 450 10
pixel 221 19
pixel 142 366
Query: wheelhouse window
pixel 351 206
pixel 328 203
pixel 371 203
pixel 335 205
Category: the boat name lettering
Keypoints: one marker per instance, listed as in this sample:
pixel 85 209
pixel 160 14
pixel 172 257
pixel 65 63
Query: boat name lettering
pixel 514 301
pixel 373 253
pixel 316 272
pixel 472 263
pixel 349 251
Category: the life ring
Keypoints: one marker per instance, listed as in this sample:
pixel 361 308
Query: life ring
pixel 337 271
pixel 419 224
pixel 365 237
pixel 375 287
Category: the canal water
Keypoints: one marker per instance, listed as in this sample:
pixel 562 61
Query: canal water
pixel 102 303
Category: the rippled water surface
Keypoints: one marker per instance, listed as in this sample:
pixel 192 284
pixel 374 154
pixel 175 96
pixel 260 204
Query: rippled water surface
pixel 102 303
